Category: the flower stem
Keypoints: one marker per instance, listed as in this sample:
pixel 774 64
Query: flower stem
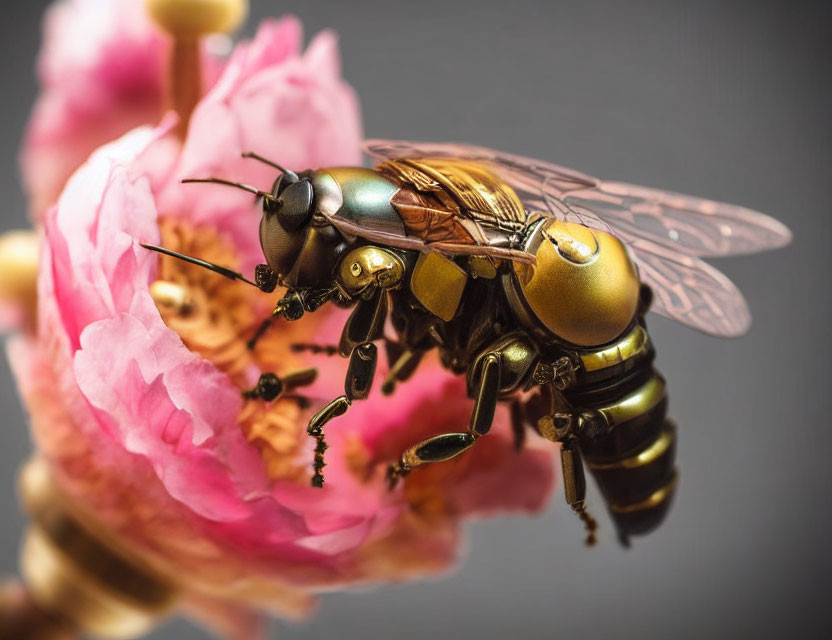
pixel 21 618
pixel 184 81
pixel 187 21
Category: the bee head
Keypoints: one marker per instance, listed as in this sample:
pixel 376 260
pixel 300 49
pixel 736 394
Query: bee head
pixel 301 248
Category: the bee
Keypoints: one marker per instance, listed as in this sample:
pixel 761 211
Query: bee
pixel 531 279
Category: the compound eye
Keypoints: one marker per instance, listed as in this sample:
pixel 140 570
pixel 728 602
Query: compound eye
pixel 282 181
pixel 295 205
pixel 280 247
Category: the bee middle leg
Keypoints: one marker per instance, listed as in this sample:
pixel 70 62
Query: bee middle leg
pixel 518 424
pixel 251 343
pixel 402 362
pixel 270 386
pixel 449 445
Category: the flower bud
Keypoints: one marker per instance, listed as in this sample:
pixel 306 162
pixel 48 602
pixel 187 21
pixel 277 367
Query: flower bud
pixel 19 269
pixel 193 18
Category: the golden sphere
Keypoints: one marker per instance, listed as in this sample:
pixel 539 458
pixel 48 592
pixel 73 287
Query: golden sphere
pixel 193 18
pixel 584 288
pixel 19 266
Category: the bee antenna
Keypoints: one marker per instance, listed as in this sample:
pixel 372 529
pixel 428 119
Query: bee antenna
pixel 239 185
pixel 292 175
pixel 223 271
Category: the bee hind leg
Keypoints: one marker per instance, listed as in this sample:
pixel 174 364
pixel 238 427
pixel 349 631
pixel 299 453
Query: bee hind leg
pixel 518 424
pixel 574 487
pixel 449 445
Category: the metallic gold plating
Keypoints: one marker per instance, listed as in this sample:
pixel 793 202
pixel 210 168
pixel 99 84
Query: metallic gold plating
pixel 634 344
pixel 658 498
pixel 438 284
pixel 369 266
pixel 574 242
pixel 585 297
pixel 82 575
pixel 473 185
pixel 649 455
pixel 636 403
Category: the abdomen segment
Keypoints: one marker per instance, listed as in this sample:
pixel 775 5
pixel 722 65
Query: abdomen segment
pixel 628 443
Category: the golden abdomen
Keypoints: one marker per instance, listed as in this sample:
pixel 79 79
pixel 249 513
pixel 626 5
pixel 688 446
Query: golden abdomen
pixel 584 289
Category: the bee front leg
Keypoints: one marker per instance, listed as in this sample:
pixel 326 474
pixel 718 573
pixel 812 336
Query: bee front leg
pixel 291 307
pixel 363 327
pixel 296 302
pixel 360 373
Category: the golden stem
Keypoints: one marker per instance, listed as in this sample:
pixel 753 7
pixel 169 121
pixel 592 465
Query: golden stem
pixel 187 21
pixel 79 576
pixel 21 618
pixel 184 80
pixel 19 273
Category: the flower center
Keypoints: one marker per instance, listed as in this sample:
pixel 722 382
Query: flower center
pixel 216 317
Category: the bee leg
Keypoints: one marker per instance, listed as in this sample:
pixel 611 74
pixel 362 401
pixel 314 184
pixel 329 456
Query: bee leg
pixel 270 386
pixel 357 386
pixel 449 445
pixel 574 486
pixel 560 425
pixel 261 331
pixel 364 326
pixel 436 449
pixel 518 424
pixel 325 349
pixel 290 306
pixel 266 281
pixel 402 364
pixel 401 369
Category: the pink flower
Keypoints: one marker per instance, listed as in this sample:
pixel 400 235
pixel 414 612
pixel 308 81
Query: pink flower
pixel 136 404
pixel 155 440
pixel 101 71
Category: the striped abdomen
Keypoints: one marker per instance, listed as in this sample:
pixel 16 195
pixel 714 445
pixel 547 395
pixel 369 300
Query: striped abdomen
pixel 632 459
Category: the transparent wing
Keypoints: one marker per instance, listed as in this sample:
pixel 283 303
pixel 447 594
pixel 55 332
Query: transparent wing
pixel 538 184
pixel 693 226
pixel 692 292
pixel 665 232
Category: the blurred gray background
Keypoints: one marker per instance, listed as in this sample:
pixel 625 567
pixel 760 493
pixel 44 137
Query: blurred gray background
pixel 727 100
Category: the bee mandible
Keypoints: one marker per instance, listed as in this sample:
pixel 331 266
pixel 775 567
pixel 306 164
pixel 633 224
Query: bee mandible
pixel 531 279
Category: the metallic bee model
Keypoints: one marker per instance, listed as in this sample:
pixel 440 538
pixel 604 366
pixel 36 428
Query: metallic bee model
pixel 531 279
